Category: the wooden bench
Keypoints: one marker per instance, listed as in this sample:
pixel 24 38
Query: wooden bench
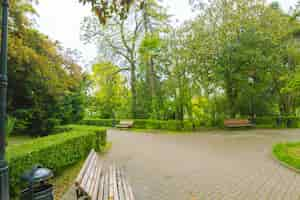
pixel 95 182
pixel 237 123
pixel 125 124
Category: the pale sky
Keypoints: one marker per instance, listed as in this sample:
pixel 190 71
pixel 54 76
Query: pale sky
pixel 60 20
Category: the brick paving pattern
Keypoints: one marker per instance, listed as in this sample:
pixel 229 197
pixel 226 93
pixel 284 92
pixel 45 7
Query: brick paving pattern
pixel 214 165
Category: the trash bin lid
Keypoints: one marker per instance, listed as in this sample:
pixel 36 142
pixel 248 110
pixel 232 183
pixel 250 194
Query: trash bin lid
pixel 37 174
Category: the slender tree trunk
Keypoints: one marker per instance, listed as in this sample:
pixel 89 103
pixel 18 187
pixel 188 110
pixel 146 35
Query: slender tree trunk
pixel 231 95
pixel 133 91
pixel 152 86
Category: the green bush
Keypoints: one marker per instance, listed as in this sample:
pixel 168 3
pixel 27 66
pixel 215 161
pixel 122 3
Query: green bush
pixel 10 125
pixel 55 152
pixel 278 121
pixel 291 122
pixel 172 125
pixel 140 123
pixel 100 122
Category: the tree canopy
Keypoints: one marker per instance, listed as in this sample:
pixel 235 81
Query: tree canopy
pixel 237 58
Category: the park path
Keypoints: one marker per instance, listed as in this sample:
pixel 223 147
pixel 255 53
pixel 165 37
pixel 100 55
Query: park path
pixel 213 165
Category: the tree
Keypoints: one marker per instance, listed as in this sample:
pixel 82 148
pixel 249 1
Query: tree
pixel 111 95
pixel 106 9
pixel 39 74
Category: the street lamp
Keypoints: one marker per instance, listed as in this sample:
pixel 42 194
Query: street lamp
pixel 4 183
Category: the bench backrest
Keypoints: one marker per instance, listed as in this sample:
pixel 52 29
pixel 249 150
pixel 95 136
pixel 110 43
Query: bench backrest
pixel 126 122
pixel 236 121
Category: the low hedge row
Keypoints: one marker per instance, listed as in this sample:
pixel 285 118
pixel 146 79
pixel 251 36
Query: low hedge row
pixel 172 125
pixel 288 153
pixel 100 122
pixel 264 122
pixel 279 121
pixel 55 152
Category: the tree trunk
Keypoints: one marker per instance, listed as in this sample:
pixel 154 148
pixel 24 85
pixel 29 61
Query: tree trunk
pixel 133 91
pixel 231 95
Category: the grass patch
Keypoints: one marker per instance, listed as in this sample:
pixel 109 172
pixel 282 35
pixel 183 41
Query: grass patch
pixel 63 181
pixel 18 140
pixel 288 153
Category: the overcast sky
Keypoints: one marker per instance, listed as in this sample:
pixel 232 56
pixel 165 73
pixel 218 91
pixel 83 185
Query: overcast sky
pixel 60 19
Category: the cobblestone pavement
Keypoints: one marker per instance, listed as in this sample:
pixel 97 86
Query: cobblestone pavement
pixel 213 165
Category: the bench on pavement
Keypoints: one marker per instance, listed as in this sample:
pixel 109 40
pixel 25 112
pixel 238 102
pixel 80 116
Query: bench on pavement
pixel 95 182
pixel 125 124
pixel 237 123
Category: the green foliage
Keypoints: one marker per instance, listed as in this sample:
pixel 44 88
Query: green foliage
pixel 288 153
pixel 10 125
pixel 55 152
pixel 111 95
pixel 171 125
pixel 278 121
pixel 43 77
pixel 100 122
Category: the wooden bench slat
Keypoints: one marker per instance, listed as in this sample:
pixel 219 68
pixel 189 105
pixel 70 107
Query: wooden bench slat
pixel 130 190
pixel 83 169
pixel 92 177
pixel 106 186
pixel 124 185
pixel 84 183
pixel 111 184
pixel 95 191
pixel 116 194
pixel 101 187
pixel 119 184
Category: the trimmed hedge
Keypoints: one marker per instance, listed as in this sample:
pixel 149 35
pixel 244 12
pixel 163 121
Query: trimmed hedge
pixel 279 122
pixel 55 152
pixel 288 153
pixel 171 125
pixel 100 122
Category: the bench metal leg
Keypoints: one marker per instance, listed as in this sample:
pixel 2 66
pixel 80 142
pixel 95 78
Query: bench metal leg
pixel 81 195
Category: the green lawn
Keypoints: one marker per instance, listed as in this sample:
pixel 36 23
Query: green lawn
pixel 288 154
pixel 17 140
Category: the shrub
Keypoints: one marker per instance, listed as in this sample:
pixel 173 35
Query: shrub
pixel 100 122
pixel 278 121
pixel 292 121
pixel 55 152
pixel 140 123
pixel 10 125
pixel 171 125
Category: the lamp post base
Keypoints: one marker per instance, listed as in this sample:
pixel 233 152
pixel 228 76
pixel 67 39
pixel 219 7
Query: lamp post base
pixel 4 186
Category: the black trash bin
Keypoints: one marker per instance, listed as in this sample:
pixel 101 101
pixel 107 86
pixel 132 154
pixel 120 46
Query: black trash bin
pixel 38 186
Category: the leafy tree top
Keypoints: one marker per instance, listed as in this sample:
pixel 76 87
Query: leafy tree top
pixel 106 9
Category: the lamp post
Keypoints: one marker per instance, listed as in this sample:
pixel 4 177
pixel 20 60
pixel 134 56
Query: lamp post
pixel 4 183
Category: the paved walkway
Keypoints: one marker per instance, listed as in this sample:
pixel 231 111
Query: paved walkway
pixel 214 165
